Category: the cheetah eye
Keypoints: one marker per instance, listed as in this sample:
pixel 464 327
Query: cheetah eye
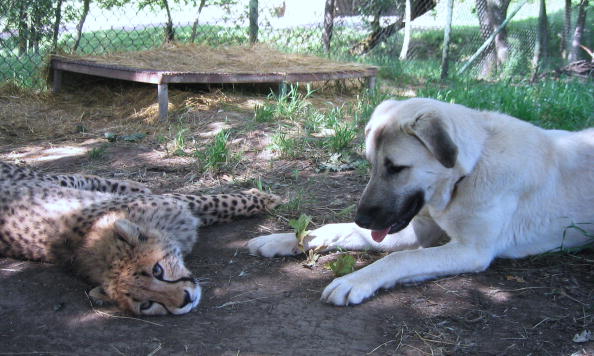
pixel 146 305
pixel 392 169
pixel 158 271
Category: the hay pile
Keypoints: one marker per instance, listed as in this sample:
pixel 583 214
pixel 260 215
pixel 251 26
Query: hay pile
pixel 206 59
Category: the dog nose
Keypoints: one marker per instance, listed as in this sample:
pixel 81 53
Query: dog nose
pixel 187 299
pixel 366 215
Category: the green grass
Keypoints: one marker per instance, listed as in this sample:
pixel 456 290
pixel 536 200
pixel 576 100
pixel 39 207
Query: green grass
pixel 97 153
pixel 217 153
pixel 549 104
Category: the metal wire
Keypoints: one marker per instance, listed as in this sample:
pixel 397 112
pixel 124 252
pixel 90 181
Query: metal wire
pixel 32 29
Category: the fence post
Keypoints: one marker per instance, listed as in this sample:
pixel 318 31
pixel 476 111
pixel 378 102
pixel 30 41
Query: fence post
pixel 253 21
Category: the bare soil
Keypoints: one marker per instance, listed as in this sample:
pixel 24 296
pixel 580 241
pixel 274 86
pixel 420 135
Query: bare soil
pixel 258 306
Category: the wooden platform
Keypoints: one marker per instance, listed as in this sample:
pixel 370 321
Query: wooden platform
pixel 164 76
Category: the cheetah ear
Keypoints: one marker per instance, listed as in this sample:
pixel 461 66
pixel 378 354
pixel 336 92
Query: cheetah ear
pixel 99 297
pixel 127 231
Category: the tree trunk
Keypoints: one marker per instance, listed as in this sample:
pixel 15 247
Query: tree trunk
pixel 81 22
pixel 491 14
pixel 407 29
pixel 36 26
pixel 169 32
pixel 329 11
pixel 565 41
pixel 58 20
pixel 489 41
pixel 579 31
pixel 380 34
pixel 541 43
pixel 253 21
pixel 445 54
pixel 196 21
pixel 23 29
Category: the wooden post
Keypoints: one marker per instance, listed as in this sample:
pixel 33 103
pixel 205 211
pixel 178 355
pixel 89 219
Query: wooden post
pixel 57 82
pixel 371 81
pixel 282 89
pixel 163 97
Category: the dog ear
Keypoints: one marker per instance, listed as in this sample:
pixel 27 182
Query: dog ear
pixel 430 130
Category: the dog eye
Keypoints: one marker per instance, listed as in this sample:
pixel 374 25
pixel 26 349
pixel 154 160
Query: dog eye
pixel 146 305
pixel 391 168
pixel 158 271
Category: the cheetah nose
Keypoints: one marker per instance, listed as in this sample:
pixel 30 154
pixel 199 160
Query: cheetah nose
pixel 187 299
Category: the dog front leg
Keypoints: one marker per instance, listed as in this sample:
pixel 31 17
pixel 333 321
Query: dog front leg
pixel 331 237
pixel 407 266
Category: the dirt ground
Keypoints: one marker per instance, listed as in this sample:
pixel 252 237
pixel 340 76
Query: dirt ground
pixel 257 306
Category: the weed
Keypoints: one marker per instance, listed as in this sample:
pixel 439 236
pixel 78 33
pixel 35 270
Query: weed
pixel 97 153
pixel 287 147
pixel 346 213
pixel 295 204
pixel 217 153
pixel 264 113
pixel 344 264
pixel 300 227
pixel 290 106
pixel 344 135
pixel 179 142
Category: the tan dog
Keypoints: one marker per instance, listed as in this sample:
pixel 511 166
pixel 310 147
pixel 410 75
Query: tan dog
pixel 494 185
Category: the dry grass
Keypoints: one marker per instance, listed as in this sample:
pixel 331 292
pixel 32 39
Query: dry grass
pixel 123 108
pixel 236 59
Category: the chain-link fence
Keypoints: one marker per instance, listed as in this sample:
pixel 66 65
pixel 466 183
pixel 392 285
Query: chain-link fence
pixel 373 31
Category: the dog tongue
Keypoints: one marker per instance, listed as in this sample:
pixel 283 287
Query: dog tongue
pixel 379 235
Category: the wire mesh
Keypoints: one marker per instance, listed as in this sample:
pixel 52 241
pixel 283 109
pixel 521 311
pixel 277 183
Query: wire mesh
pixel 359 30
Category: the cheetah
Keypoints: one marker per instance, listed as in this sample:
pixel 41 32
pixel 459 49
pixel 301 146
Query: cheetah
pixel 124 240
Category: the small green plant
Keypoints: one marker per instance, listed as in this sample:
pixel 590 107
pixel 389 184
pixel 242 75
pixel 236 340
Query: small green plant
pixel 179 142
pixel 346 212
pixel 300 227
pixel 344 135
pixel 286 146
pixel 291 105
pixel 295 204
pixel 344 264
pixel 264 113
pixel 97 153
pixel 217 153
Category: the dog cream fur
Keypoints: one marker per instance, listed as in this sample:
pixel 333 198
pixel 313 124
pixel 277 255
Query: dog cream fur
pixel 495 186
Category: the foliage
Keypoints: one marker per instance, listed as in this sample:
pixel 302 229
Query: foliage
pixel 300 226
pixel 550 103
pixel 217 153
pixel 344 264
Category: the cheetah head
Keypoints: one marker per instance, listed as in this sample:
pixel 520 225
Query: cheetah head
pixel 149 276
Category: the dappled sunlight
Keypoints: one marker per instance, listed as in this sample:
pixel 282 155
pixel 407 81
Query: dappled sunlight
pixel 9 268
pixel 496 295
pixel 43 154
pixel 214 128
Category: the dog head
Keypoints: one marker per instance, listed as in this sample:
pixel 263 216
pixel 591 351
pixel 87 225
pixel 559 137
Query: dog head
pixel 412 154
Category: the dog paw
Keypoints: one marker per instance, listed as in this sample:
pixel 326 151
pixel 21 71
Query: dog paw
pixel 347 290
pixel 274 245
